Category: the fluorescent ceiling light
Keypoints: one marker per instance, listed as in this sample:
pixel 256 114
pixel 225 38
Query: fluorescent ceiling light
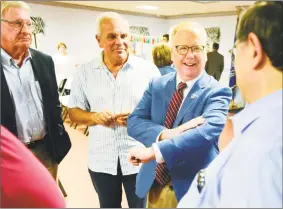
pixel 206 2
pixel 147 7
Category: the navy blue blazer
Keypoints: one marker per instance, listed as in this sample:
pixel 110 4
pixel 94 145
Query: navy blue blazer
pixel 192 150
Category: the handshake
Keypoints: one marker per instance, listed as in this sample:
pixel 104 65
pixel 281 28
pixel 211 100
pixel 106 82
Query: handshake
pixel 108 119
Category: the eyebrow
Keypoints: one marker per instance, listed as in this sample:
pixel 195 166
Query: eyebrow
pixel 111 34
pixel 116 34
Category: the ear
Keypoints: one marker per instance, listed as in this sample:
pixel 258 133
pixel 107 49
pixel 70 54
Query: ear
pixel 258 53
pixel 98 40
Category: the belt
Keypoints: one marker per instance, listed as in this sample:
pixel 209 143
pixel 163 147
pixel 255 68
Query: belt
pixel 33 144
pixel 155 184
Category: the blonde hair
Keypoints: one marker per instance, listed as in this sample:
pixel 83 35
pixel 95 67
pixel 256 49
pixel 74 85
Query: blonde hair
pixel 61 44
pixel 189 25
pixel 106 16
pixel 17 4
pixel 161 55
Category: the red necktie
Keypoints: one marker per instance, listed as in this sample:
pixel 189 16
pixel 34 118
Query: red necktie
pixel 162 175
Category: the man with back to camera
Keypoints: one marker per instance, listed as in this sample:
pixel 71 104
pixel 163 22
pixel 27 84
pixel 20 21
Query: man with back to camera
pixel 215 62
pixel 104 92
pixel 168 103
pixel 248 172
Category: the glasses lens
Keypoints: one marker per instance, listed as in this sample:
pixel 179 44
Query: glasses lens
pixel 182 49
pixel 197 49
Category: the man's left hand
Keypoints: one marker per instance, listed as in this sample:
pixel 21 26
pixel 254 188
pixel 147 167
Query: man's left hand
pixel 139 155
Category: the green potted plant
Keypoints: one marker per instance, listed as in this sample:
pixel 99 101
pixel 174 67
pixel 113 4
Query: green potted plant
pixel 38 27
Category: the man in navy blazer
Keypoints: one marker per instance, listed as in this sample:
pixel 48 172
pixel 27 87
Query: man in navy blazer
pixel 186 152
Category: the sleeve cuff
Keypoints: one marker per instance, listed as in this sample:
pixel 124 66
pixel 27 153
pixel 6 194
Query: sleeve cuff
pixel 158 137
pixel 158 156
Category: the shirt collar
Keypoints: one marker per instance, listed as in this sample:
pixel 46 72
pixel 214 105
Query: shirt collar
pixel 253 111
pixel 6 59
pixel 130 62
pixel 189 83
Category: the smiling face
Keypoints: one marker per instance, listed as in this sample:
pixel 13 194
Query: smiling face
pixel 114 40
pixel 15 39
pixel 190 65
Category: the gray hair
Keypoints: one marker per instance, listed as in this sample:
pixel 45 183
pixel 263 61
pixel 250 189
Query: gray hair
pixel 17 4
pixel 105 16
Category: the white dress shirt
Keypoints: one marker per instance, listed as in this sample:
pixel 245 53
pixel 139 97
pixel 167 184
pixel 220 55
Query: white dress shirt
pixel 64 67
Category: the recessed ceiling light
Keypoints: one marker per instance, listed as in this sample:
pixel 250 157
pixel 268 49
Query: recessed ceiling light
pixel 147 7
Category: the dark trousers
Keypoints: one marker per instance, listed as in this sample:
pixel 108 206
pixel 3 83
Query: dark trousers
pixel 109 189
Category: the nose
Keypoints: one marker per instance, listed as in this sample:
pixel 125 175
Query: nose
pixel 190 54
pixel 118 40
pixel 25 28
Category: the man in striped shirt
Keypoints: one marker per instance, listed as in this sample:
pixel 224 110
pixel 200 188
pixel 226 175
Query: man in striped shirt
pixel 104 92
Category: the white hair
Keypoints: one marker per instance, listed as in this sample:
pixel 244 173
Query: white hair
pixel 17 4
pixel 189 25
pixel 106 16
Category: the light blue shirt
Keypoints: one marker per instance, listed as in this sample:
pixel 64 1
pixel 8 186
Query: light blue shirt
pixel 26 95
pixel 95 89
pixel 248 173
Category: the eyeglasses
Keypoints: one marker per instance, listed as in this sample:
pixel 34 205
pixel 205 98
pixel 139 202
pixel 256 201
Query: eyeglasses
pixel 183 49
pixel 18 24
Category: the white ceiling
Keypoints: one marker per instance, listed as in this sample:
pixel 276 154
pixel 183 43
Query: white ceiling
pixel 166 8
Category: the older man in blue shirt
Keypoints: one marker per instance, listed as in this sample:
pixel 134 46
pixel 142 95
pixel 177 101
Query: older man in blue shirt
pixel 248 173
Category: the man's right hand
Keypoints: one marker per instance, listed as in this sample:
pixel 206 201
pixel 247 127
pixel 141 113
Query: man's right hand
pixel 103 118
pixel 121 119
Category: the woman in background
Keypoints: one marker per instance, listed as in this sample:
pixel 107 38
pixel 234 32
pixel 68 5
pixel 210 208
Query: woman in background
pixel 161 55
pixel 65 68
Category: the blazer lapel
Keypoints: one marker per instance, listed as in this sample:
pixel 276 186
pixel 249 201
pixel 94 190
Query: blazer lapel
pixel 192 97
pixel 36 66
pixel 39 73
pixel 170 88
pixel 7 106
pixel 6 98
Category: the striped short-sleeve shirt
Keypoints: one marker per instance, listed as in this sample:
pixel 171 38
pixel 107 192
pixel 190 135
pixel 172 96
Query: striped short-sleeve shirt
pixel 95 89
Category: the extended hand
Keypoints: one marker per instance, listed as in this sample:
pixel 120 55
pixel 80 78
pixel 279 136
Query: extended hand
pixel 139 155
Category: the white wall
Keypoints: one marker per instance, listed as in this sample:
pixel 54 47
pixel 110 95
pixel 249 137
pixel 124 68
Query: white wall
pixel 77 28
pixel 227 25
